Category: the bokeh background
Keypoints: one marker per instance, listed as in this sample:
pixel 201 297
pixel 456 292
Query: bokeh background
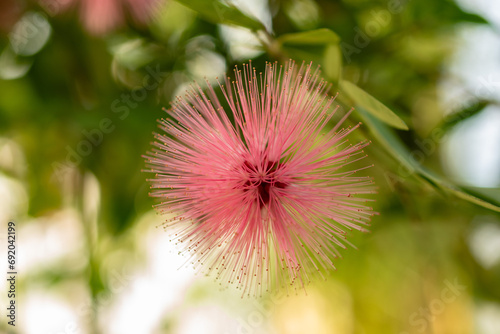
pixel 83 82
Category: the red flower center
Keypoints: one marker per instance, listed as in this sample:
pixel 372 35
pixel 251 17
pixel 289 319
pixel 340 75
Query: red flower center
pixel 262 179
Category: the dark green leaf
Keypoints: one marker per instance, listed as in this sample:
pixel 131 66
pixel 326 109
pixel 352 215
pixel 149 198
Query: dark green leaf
pixel 449 11
pixel 464 114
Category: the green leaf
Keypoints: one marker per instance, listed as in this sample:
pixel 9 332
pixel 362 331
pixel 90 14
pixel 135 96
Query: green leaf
pixel 488 194
pixel 391 143
pixel 217 12
pixel 409 167
pixel 472 197
pixel 329 57
pixel 319 46
pixel 307 54
pixel 311 37
pixel 372 105
pixel 332 63
pixel 449 11
pixel 455 118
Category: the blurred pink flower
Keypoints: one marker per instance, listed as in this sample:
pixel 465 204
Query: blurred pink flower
pixel 10 12
pixel 259 194
pixel 102 16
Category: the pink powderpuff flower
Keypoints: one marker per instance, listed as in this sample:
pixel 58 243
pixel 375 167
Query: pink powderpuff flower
pixel 102 16
pixel 258 189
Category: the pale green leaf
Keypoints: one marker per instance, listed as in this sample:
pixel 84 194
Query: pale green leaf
pixel 217 12
pixel 332 63
pixel 372 105
pixel 409 167
pixel 311 37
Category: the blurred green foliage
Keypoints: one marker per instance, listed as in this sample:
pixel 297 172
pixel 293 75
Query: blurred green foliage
pixel 383 57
